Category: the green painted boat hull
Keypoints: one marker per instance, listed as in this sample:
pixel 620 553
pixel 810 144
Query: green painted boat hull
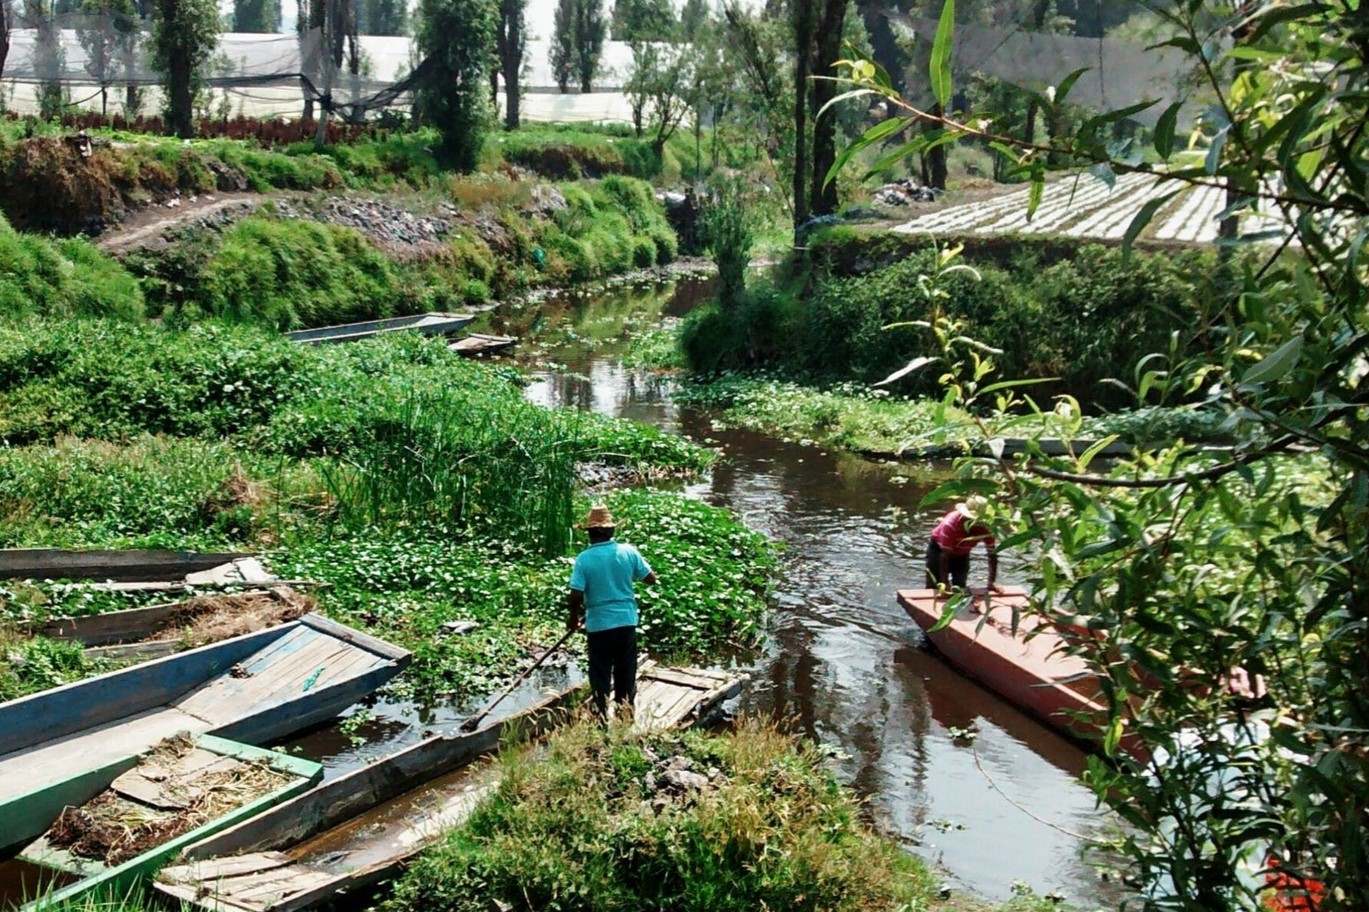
pixel 132 875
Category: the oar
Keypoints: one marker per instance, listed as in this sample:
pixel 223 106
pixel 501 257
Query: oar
pixel 473 721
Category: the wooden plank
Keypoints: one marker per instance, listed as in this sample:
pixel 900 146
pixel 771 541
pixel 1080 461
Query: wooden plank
pixel 139 652
pixel 683 679
pixel 123 565
pixel 268 892
pixel 191 896
pixel 113 626
pixel 357 638
pixel 212 869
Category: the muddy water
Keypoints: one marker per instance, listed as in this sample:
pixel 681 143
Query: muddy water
pixel 842 664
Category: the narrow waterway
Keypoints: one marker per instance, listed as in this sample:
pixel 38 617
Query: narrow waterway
pixel 842 664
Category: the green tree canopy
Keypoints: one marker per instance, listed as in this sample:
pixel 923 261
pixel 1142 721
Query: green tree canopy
pixel 456 36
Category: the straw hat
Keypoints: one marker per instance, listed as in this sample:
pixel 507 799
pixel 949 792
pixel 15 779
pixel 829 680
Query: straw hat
pixel 973 507
pixel 598 518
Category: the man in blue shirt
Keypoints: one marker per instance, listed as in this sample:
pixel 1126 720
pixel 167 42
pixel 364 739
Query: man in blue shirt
pixel 602 594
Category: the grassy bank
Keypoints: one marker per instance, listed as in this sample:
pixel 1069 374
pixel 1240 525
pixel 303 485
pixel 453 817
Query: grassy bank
pixel 47 184
pixel 708 822
pixel 291 272
pixel 421 486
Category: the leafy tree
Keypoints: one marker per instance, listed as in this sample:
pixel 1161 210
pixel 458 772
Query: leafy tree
pixel 693 17
pixel 511 40
pixel 577 42
pixel 383 17
pixel 1192 570
pixel 563 43
pixel 256 16
pixel 657 86
pixel 184 36
pixel 643 20
pixel 107 30
pixel 48 57
pixel 590 31
pixel 455 37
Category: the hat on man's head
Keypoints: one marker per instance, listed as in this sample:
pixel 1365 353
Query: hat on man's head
pixel 973 507
pixel 598 518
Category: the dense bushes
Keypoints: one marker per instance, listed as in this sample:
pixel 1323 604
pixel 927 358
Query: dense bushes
pixel 61 277
pixel 595 822
pixel 1082 319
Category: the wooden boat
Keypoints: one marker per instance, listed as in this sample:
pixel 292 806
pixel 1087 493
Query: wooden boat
pixel 1029 668
pixel 429 324
pixel 125 566
pixel 475 345
pixel 161 785
pixel 64 745
pixel 360 828
pixel 130 631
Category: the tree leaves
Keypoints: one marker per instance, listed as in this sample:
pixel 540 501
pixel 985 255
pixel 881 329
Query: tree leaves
pixel 1276 364
pixel 1164 130
pixel 940 66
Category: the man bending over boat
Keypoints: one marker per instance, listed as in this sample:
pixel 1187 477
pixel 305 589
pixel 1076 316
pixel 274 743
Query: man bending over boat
pixel 953 539
pixel 602 594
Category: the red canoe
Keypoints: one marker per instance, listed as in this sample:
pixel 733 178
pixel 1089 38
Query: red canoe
pixel 1032 672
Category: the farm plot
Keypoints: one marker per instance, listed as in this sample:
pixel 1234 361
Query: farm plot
pixel 1083 207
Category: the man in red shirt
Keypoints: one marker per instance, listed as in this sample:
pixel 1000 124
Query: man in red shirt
pixel 955 536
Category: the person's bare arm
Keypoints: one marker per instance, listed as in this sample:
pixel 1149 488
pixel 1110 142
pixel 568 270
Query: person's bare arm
pixel 650 578
pixel 575 606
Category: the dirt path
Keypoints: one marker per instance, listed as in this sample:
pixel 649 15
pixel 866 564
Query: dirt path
pixel 146 226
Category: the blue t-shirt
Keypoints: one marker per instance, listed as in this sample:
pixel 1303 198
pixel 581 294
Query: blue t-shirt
pixel 605 572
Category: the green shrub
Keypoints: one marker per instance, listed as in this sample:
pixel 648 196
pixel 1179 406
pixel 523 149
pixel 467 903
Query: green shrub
pixel 1081 319
pixel 289 273
pixel 590 822
pixel 62 277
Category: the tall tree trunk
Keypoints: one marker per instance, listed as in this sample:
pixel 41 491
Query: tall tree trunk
pixel 4 34
pixel 936 158
pixel 511 61
pixel 823 196
pixel 803 51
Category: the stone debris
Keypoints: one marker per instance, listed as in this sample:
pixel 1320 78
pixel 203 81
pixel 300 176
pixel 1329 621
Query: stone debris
pixel 904 192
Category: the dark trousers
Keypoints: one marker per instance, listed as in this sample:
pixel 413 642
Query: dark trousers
pixel 613 662
pixel 958 568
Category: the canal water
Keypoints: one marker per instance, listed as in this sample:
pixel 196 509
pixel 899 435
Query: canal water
pixel 842 664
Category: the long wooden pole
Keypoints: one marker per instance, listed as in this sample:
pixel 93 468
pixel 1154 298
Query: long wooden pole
pixel 471 723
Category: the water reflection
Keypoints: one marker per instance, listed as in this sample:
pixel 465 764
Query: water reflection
pixel 844 666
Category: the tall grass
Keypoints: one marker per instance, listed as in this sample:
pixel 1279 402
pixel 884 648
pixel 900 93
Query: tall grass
pixel 435 459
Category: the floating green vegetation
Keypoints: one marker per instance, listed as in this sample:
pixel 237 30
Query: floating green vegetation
pixel 28 665
pixel 858 418
pixel 740 821
pixel 406 582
